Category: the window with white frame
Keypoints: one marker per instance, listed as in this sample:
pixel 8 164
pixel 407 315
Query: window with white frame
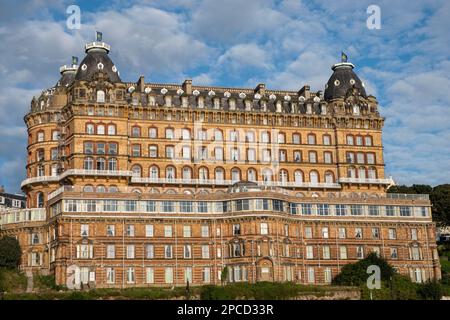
pixel 205 231
pixel 149 275
pixel 342 233
pixel 110 276
pixel 187 251
pixel 186 231
pixel 342 252
pixel 392 234
pixel 264 228
pixel 149 230
pixel 130 251
pixel 130 230
pixel 309 252
pixel 168 275
pixel 167 231
pixel 326 252
pixel 150 251
pixel 84 230
pixel 325 233
pixel 311 276
pixel 130 275
pixel 308 232
pixel 205 251
pixel 110 251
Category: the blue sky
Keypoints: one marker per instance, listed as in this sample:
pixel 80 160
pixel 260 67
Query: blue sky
pixel 285 44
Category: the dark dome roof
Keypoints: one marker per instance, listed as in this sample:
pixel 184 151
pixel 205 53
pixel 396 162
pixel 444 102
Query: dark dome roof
pixel 343 79
pixel 67 78
pixel 96 60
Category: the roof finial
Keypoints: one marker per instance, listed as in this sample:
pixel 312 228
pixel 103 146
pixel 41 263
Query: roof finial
pixel 344 57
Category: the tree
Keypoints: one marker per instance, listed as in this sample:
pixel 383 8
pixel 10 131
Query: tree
pixel 224 275
pixel 440 198
pixel 10 252
pixel 431 290
pixel 414 189
pixel 355 274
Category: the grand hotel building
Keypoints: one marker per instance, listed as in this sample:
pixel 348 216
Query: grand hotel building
pixel 156 184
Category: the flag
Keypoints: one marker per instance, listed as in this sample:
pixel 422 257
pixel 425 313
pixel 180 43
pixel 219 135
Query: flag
pixel 74 61
pixel 344 57
pixel 99 36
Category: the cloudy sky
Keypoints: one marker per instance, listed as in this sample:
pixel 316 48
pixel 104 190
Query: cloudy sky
pixel 285 44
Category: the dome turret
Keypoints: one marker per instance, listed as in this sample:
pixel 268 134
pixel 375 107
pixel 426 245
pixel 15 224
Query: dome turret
pixel 343 79
pixel 68 73
pixel 97 60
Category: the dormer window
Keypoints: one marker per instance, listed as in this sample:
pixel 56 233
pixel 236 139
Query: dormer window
pixel 100 96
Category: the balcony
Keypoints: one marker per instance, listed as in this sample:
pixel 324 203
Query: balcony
pixel 77 172
pixel 367 181
pixel 22 216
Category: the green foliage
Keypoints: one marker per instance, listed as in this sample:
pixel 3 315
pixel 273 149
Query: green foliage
pixel 10 252
pixel 12 280
pixel 260 291
pixel 397 288
pixel 431 290
pixel 440 198
pixel 224 275
pixel 355 274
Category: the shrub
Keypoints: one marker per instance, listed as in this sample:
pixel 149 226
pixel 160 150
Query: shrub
pixel 355 274
pixel 431 290
pixel 10 252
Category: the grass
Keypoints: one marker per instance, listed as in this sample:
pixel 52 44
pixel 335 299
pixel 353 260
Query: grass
pixel 12 281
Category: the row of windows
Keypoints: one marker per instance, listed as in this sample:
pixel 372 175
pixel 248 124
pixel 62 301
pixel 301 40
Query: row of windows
pixel 359 140
pixel 310 252
pixel 109 205
pixel 40 136
pixel 100 148
pixel 236 230
pixel 235 174
pixel 360 157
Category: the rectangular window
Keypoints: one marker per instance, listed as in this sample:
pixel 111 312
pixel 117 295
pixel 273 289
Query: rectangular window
pixel 84 230
pixel 307 209
pixel 390 211
pixel 150 206
pixel 405 211
pixel 392 234
pixel 187 251
pixel 242 205
pixel 218 153
pixel 342 233
pixel 374 210
pixel 149 275
pixel 326 140
pixel 136 150
pixel 168 206
pixel 341 210
pixel 356 210
pixel 110 251
pixel 110 230
pixel 262 204
pixel 264 228
pixel 236 229
pixel 277 205
pixel 343 252
pixel 130 230
pixel 312 157
pixel 149 230
pixel 186 206
pixel 296 138
pixel 130 275
pixel 323 209
pixel 325 233
pixel 205 252
pixel 150 251
pixel 153 151
pixel 327 275
pixel 413 234
pixel 394 253
pixel 110 276
pixel 309 252
pixel 311 276
pixel 167 231
pixel 326 252
pixel 205 231
pixel 202 206
pixel 130 251
pixel 206 275
pixel 187 231
pixel 308 232
pixel 358 233
pixel 168 251
pixel 375 233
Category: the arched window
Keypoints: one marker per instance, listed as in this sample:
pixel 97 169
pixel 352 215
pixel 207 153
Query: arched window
pixel 283 176
pixel 101 129
pixel 362 172
pixel 111 129
pixel 350 140
pixel 100 96
pixel 235 175
pixel 314 177
pixel 40 200
pixel 311 138
pixel 112 164
pixel 187 173
pixel 203 174
pixel 351 172
pixel 219 174
pixel 298 176
pixel 329 177
pixel 88 188
pixel 90 128
pixel 113 189
pixel 170 173
pixel 218 136
pixel 101 164
pixel 169 133
pixel 251 175
pixel 372 173
pixel 186 134
pixel 154 173
pixel 267 175
pixel 137 170
pixel 88 163
pixel 101 189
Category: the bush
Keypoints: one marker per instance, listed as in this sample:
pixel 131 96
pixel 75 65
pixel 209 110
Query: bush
pixel 431 290
pixel 12 280
pixel 10 252
pixel 355 274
